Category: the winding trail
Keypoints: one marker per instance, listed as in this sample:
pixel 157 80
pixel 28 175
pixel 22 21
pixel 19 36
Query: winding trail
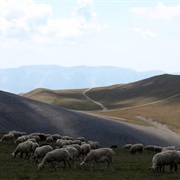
pixel 95 102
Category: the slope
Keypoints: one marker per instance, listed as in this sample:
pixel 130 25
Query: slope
pixel 155 98
pixel 19 113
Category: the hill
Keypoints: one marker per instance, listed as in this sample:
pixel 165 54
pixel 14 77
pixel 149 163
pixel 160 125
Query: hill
pixel 27 78
pixel 156 98
pixel 23 114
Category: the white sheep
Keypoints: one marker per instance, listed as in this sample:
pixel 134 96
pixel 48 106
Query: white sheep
pixel 85 149
pixel 168 148
pixel 24 147
pixel 49 139
pixel 61 142
pixel 40 152
pixel 101 155
pixel 136 148
pixel 127 146
pixel 73 154
pixel 56 136
pixel 77 146
pixel 169 157
pixel 82 139
pixel 8 137
pixel 94 144
pixel 20 139
pixel 55 156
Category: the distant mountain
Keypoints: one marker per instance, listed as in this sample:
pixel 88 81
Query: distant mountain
pixel 27 78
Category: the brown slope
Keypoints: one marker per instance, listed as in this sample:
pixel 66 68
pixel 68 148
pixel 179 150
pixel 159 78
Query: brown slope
pixel 71 99
pixel 19 113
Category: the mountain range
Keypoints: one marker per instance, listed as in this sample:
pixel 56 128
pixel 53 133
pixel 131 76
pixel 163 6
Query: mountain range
pixel 27 78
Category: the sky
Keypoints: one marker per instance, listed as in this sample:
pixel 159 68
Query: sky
pixel 136 34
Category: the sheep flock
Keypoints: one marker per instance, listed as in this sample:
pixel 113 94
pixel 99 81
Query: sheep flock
pixel 49 150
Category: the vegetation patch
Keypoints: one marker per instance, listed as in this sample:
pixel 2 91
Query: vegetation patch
pixel 126 166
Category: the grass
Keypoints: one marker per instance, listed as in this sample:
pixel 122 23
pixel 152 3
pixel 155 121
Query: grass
pixel 126 166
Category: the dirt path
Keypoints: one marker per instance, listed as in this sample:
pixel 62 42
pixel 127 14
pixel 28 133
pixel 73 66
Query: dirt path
pixel 95 102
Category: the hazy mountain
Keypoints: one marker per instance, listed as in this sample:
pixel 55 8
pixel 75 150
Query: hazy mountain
pixel 27 78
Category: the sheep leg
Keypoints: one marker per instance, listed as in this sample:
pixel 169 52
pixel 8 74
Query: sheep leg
pixel 64 162
pixel 53 165
pixel 69 164
pixel 92 164
pixel 175 167
pixel 108 163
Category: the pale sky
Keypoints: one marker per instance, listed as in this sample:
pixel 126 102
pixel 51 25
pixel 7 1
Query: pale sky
pixel 136 34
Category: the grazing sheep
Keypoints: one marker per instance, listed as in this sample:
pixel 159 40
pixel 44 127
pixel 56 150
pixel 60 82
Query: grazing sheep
pixel 158 148
pixel 136 148
pixel 24 147
pixel 61 142
pixel 8 137
pixel 169 157
pixel 17 133
pixel 55 156
pixel 150 148
pixel 20 140
pixel 101 155
pixel 168 148
pixel 49 139
pixel 76 141
pixel 82 139
pixel 77 146
pixel 34 146
pixel 40 152
pixel 127 146
pixel 73 154
pixel 85 149
pixel 56 136
pixel 94 144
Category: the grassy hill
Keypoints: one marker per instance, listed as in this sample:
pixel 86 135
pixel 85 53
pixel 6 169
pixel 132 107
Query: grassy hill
pixel 70 99
pixel 154 98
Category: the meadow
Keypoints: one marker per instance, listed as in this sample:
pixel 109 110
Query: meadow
pixel 126 166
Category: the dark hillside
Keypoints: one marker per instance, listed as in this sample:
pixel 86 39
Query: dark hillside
pixel 19 113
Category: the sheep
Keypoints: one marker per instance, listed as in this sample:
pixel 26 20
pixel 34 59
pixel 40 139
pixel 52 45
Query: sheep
pixel 56 136
pixel 169 157
pixel 34 146
pixel 40 152
pixel 8 137
pixel 20 139
pixel 136 148
pixel 127 146
pixel 94 144
pixel 99 155
pixel 55 156
pixel 24 147
pixel 61 142
pixel 85 149
pixel 168 148
pixel 77 146
pixel 82 139
pixel 17 133
pixel 49 139
pixel 150 148
pixel 73 154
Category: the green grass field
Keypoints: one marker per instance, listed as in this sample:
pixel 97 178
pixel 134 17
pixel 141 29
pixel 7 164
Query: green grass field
pixel 126 166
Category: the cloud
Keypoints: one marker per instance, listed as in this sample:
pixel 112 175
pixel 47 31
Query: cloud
pixel 28 21
pixel 145 33
pixel 160 12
